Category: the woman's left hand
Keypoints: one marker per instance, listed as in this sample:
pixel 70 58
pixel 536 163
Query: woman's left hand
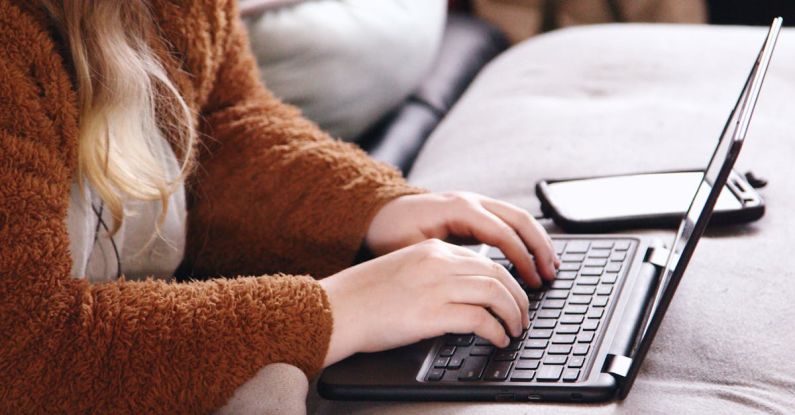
pixel 411 219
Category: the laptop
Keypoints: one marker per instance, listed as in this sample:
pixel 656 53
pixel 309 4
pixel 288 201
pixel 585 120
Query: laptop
pixel 590 329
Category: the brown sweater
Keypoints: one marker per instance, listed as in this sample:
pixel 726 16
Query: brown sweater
pixel 272 194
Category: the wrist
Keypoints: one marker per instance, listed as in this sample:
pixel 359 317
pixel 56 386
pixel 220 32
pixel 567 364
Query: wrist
pixel 343 340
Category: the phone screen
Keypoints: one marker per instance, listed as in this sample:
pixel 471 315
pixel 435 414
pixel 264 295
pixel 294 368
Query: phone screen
pixel 632 195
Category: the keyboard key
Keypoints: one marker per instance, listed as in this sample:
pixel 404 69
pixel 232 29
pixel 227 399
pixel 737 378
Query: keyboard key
pixel 504 356
pixel 435 374
pixel 591 271
pixel 571 319
pixel 599 253
pixel 455 362
pixel 472 368
pixel 621 245
pixel 584 337
pixel 562 284
pixel 596 262
pixel 557 294
pixel 549 373
pixel 513 345
pixel 497 371
pixel 559 246
pixel 588 281
pixel 458 339
pixel 600 300
pixel 544 323
pixel 576 361
pixel 548 314
pixel 535 295
pixel 559 349
pixel 576 309
pixel 556 360
pixel 569 266
pixel 522 375
pixel 533 305
pixel 480 341
pixel 567 329
pixel 563 338
pixel 539 334
pixel 580 299
pixel 590 325
pixel 481 350
pixel 577 247
pixel 584 290
pixel 526 364
pixel 441 362
pixel 596 313
pixel 618 256
pixel 495 252
pixel 536 344
pixel 571 375
pixel 613 267
pixel 572 258
pixel 581 349
pixel 531 354
pixel 447 351
pixel 604 289
pixel 566 275
pixel 554 304
pixel 609 278
pixel 601 244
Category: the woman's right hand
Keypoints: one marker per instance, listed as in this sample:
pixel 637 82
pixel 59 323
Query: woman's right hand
pixel 419 292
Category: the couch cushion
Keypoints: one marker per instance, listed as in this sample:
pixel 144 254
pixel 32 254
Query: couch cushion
pixel 629 98
pixel 346 63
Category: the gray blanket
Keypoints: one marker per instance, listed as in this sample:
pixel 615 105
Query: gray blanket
pixel 630 98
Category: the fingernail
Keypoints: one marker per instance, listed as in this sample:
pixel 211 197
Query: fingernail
pixel 505 341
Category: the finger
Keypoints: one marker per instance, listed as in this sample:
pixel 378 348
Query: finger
pixel 465 318
pixel 490 229
pixel 480 265
pixel 531 232
pixel 486 292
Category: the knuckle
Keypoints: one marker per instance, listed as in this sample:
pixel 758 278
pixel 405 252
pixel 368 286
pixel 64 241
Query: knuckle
pixel 480 319
pixel 491 287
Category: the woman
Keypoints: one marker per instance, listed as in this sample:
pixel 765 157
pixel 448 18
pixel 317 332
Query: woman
pixel 135 138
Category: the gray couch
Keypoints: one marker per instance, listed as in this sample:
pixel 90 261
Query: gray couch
pixel 629 98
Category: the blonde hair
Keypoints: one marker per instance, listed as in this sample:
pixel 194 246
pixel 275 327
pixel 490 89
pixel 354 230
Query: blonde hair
pixel 120 82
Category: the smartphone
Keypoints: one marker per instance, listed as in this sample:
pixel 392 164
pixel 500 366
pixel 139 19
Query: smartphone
pixel 608 203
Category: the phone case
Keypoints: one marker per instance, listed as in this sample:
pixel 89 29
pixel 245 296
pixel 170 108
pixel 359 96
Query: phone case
pixel 753 208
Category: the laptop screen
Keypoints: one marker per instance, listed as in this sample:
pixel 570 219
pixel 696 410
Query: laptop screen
pixel 695 220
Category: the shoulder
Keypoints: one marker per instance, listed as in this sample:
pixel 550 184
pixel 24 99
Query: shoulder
pixel 197 31
pixel 37 100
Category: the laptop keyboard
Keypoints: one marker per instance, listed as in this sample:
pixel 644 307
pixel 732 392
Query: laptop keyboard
pixel 566 321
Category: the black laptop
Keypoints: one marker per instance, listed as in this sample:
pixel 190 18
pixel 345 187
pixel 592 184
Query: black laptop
pixel 590 328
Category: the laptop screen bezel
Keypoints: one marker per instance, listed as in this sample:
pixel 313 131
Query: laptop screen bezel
pixel 673 272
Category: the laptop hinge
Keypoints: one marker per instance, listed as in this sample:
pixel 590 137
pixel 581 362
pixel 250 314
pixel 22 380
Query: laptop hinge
pixel 618 365
pixel 657 256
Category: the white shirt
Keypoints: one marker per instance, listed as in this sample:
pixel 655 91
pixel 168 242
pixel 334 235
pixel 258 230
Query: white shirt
pixel 142 252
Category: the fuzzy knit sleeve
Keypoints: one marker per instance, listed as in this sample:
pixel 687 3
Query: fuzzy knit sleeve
pixel 274 193
pixel 67 346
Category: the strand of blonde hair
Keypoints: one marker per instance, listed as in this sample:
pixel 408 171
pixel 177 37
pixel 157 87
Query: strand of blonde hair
pixel 121 85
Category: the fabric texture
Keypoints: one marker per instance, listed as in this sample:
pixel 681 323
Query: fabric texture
pixel 271 194
pixel 346 63
pixel 611 99
pixel 277 389
pixel 521 19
